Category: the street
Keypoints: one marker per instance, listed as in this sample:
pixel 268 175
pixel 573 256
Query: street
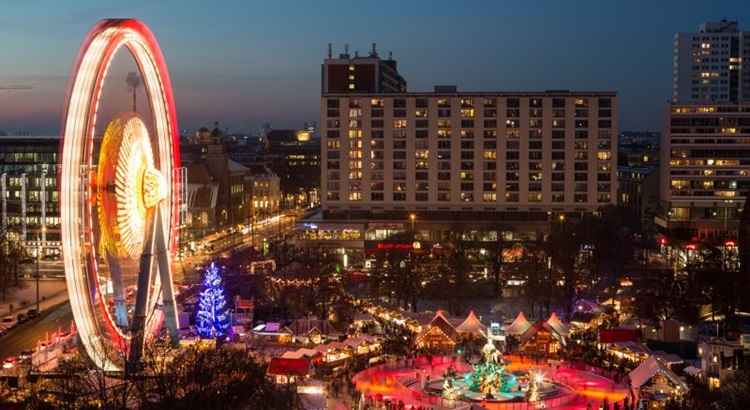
pixel 25 336
pixel 184 270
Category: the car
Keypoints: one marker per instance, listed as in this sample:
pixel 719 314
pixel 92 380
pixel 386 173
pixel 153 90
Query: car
pixel 25 355
pixel 32 313
pixel 9 362
pixel 21 318
pixel 8 322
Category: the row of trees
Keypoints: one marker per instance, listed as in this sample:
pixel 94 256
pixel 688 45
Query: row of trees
pixel 12 253
pixel 581 256
pixel 405 276
pixel 453 273
pixel 189 378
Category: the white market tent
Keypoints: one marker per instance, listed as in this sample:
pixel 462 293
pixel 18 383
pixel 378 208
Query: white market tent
pixel 557 324
pixel 650 368
pixel 519 326
pixel 693 371
pixel 472 326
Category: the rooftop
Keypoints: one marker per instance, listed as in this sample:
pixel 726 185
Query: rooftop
pixel 513 93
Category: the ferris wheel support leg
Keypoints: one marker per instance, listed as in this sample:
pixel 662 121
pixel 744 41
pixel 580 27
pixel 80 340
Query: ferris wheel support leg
pixel 138 330
pixel 118 290
pixel 165 274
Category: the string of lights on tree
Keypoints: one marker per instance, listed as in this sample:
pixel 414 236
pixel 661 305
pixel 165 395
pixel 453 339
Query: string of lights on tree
pixel 212 319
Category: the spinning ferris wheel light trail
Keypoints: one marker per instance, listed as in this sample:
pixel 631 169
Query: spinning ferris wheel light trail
pixel 119 200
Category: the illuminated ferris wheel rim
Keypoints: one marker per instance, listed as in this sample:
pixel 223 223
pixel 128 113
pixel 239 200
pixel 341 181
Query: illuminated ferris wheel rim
pixel 76 188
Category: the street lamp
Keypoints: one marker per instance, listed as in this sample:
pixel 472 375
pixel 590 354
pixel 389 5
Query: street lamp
pixel 412 219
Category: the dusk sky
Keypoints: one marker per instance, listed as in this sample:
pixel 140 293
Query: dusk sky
pixel 243 63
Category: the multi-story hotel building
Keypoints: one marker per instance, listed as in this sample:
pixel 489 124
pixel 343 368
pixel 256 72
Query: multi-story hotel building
pixel 475 151
pixel 705 168
pixel 428 161
pixel 712 64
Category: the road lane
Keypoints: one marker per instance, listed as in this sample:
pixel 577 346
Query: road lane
pixel 25 336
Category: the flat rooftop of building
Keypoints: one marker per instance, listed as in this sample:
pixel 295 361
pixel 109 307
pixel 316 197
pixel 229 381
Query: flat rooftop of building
pixel 459 93
pixel 428 216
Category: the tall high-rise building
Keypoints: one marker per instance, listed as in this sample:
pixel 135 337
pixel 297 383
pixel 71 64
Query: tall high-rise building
pixel 705 168
pixel 712 64
pixel 705 159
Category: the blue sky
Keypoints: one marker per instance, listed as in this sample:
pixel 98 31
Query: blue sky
pixel 246 62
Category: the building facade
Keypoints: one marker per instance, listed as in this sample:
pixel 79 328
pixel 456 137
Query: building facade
pixel 638 191
pixel 705 167
pixel 294 155
pixel 29 207
pixel 515 152
pixel 478 167
pixel 712 64
pixel 355 74
pixel 223 196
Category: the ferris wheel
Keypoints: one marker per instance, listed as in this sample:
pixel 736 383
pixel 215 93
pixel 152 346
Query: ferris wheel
pixel 119 201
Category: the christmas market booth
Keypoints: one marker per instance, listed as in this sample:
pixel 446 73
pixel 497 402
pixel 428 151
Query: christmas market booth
pixel 541 339
pixel 654 384
pixel 438 335
pixel 288 371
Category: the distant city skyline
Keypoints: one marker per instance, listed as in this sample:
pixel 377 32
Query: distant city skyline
pixel 246 63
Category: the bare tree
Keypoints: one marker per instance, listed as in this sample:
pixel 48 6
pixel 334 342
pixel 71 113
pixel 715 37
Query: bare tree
pixel 11 255
pixel 174 378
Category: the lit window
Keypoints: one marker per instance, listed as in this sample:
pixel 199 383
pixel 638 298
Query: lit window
pixel 467 113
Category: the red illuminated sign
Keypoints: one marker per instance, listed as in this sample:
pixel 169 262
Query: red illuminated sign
pixel 395 246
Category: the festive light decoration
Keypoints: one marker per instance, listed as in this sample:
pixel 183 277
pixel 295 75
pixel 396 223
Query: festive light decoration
pixel 296 283
pixel 489 376
pixel 212 319
pixel 536 378
pixel 87 260
pixel 451 390
pixel 126 163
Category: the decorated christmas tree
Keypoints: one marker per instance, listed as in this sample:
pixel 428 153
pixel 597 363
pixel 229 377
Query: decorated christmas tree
pixel 212 319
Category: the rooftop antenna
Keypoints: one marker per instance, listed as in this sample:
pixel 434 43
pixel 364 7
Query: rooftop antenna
pixel 330 50
pixel 134 81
